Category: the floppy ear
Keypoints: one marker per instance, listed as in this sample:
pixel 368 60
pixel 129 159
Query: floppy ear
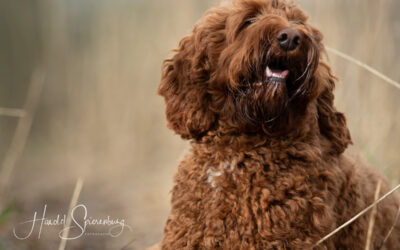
pixel 185 82
pixel 332 124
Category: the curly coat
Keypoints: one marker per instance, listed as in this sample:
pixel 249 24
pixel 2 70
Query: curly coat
pixel 267 168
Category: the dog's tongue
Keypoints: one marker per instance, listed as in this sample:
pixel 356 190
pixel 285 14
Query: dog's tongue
pixel 276 73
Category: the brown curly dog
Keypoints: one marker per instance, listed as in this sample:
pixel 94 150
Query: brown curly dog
pixel 267 168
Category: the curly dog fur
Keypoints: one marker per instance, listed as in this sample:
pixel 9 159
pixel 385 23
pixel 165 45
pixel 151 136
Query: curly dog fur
pixel 267 168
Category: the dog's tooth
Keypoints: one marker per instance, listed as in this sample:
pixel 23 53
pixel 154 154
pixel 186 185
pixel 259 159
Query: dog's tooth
pixel 277 75
pixel 269 72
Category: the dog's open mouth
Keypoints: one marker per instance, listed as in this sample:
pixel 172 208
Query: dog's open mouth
pixel 276 74
pixel 280 71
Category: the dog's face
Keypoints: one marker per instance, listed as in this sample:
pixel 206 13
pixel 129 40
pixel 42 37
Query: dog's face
pixel 250 67
pixel 268 60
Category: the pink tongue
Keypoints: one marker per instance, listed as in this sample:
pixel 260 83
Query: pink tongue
pixel 280 73
pixel 276 73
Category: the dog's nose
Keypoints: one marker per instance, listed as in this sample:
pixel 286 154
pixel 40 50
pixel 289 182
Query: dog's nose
pixel 289 39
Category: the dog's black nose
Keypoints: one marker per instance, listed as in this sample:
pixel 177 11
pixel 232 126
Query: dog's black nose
pixel 289 39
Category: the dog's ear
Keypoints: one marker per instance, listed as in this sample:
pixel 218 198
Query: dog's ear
pixel 185 79
pixel 332 124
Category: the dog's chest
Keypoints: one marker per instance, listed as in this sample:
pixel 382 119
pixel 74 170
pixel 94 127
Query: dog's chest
pixel 259 196
pixel 258 193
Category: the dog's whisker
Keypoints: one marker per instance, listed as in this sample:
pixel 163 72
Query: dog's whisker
pixel 309 62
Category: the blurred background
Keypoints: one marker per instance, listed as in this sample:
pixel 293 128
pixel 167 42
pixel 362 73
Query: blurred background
pixel 91 68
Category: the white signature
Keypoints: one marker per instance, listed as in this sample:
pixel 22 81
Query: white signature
pixel 115 227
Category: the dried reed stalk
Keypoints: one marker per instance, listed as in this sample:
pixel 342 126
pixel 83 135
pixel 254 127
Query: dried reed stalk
pixel 22 131
pixel 357 216
pixel 12 112
pixel 373 216
pixel 72 204
pixel 396 220
pixel 364 66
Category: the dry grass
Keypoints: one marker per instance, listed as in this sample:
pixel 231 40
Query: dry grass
pixel 99 116
pixel 396 220
pixel 72 204
pixel 372 217
pixel 21 132
pixel 364 211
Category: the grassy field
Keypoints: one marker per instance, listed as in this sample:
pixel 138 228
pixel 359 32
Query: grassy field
pixel 99 117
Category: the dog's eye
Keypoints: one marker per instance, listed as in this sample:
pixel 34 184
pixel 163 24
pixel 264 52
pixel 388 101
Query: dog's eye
pixel 250 21
pixel 247 22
